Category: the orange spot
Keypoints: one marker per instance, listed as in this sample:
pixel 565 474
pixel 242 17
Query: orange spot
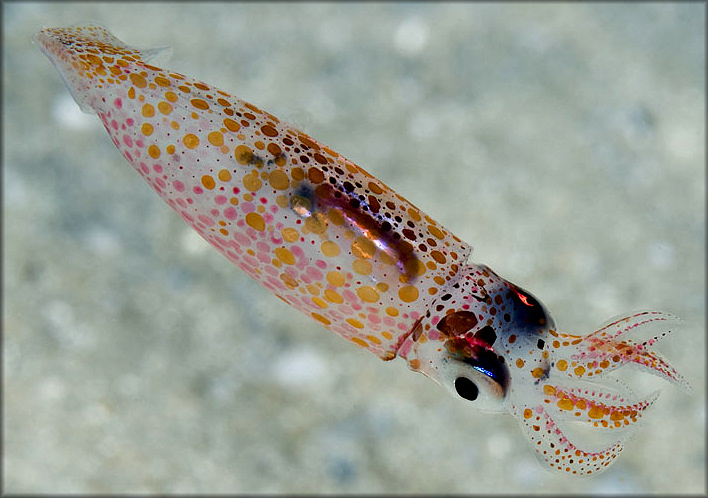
pixel 322 319
pixel 355 323
pixel 362 266
pixel 319 302
pixel 359 342
pixel 596 412
pixel 256 221
pixel 565 404
pixel 208 182
pixel 579 371
pixel 216 138
pixel 362 247
pixel 231 125
pixel 164 107
pixel 191 141
pixel 330 249
pixel 391 311
pixel 335 278
pixel 616 415
pixel 528 413
pixel 252 183
pixel 367 293
pixel 289 234
pixel 333 296
pixel 279 180
pixel 436 231
pixel 199 104
pixel 243 154
pixel 224 175
pixel 138 80
pixel 162 81
pixel 520 363
pixel 269 131
pixel 148 110
pixel 147 129
pixel 549 390
pixel 154 151
pixel 408 293
pixel 537 373
pixel 562 365
pixel 283 254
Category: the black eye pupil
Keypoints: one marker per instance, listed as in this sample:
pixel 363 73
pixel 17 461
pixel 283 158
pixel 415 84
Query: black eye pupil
pixel 466 388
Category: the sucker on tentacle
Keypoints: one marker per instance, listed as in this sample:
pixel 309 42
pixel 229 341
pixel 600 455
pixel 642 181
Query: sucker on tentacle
pixel 342 247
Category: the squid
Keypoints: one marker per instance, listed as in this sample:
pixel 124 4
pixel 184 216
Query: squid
pixel 336 243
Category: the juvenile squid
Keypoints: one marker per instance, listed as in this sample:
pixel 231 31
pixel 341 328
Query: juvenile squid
pixel 339 245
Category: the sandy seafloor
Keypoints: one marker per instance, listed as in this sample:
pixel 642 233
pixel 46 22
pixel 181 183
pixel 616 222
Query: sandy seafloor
pixel 564 141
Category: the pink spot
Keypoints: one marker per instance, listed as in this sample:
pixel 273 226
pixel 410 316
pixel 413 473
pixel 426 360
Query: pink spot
pixel 198 190
pixel 268 218
pixel 263 247
pixel 274 208
pixel 206 220
pixel 236 190
pixel 433 335
pixel 127 140
pixel 389 321
pixel 321 264
pixel 144 168
pixel 263 258
pixel 118 103
pixel 305 279
pixel 350 297
pixel 178 185
pixel 220 199
pixel 140 143
pixel 160 183
pixel 271 270
pixel 230 213
pixel 314 273
pixel 247 207
pixel 114 124
pixel 157 168
pixel 129 121
pixel 374 318
pixel 263 200
pixel 242 239
pixel 128 156
pixel 298 252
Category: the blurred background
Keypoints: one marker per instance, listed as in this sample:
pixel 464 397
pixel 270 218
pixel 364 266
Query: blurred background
pixel 566 142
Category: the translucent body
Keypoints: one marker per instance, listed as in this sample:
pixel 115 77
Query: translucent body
pixel 339 245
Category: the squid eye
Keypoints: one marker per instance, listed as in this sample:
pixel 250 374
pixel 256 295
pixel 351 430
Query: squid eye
pixel 466 388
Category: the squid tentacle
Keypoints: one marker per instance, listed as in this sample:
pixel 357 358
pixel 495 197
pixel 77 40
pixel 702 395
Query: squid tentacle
pixel 605 350
pixel 554 448
pixel 597 406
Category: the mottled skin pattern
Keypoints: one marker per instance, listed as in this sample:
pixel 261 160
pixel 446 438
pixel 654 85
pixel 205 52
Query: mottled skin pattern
pixel 336 243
